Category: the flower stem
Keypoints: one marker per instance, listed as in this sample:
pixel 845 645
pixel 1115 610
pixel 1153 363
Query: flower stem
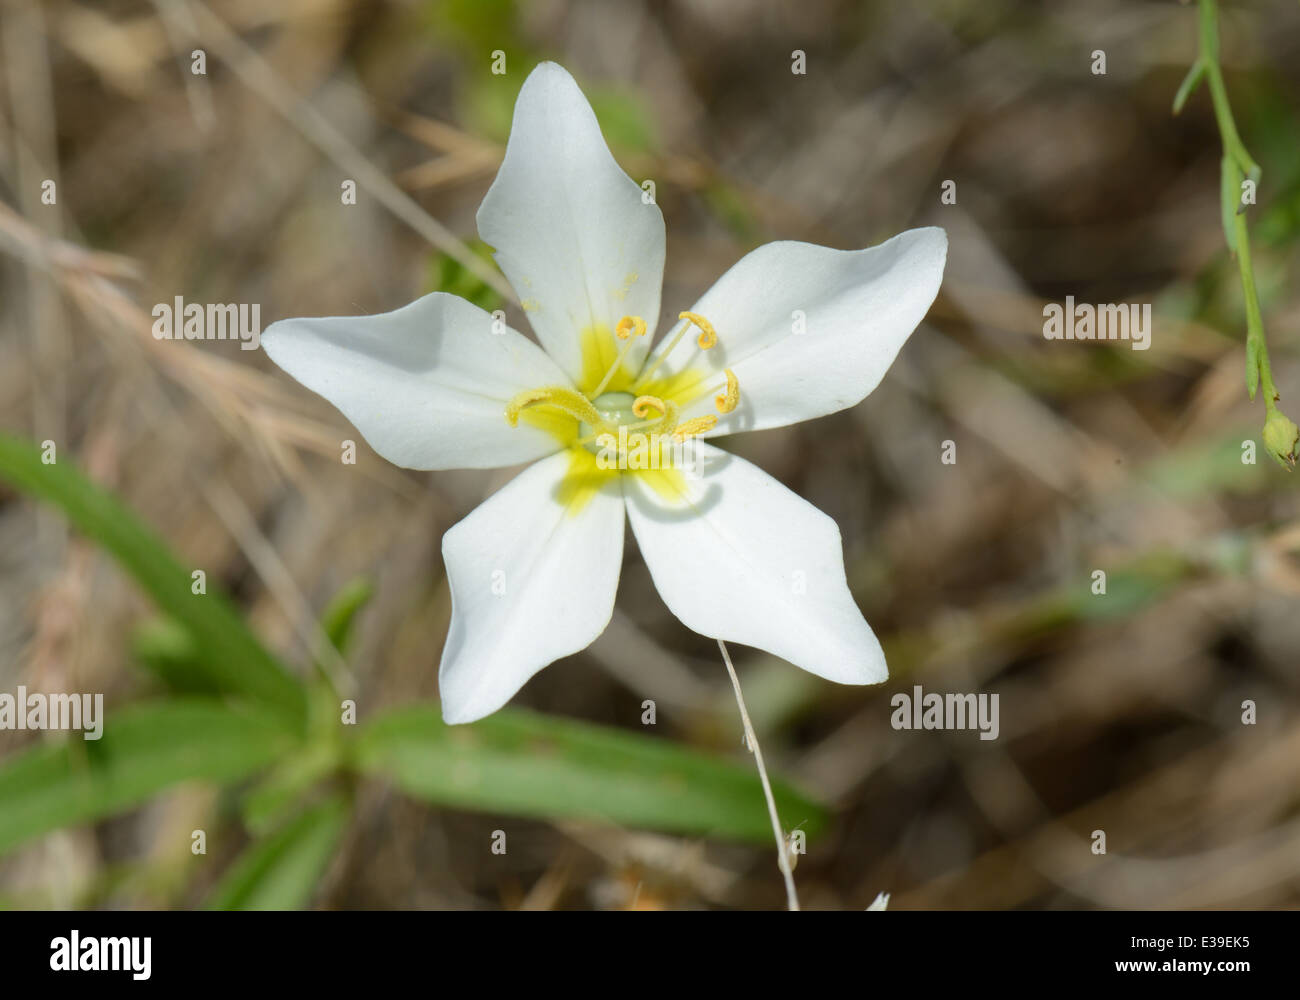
pixel 1256 347
pixel 1281 437
pixel 782 848
pixel 1209 58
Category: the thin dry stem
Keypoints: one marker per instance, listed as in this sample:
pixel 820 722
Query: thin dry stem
pixel 782 849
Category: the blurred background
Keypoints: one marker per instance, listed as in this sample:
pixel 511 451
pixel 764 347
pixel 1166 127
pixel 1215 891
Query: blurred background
pixel 1119 712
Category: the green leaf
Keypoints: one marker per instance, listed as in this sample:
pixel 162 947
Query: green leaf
pixel 276 794
pixel 339 615
pixel 227 651
pixel 533 765
pixel 1134 586
pixel 280 871
pixel 1188 87
pixel 449 275
pixel 1204 465
pixel 145 748
pixel 168 651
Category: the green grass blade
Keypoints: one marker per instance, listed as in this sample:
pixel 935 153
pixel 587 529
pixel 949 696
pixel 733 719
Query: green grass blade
pixel 527 764
pixel 341 612
pixel 145 748
pixel 226 650
pixel 280 871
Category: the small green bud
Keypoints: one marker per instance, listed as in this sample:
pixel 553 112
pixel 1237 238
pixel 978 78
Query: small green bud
pixel 1281 437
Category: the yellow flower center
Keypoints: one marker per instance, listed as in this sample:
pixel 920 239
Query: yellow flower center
pixel 618 421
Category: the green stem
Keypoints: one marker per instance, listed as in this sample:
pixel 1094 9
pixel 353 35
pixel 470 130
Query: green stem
pixel 1256 345
pixel 1232 144
pixel 1281 435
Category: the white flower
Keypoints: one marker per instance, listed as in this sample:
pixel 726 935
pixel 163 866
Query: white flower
pixel 793 331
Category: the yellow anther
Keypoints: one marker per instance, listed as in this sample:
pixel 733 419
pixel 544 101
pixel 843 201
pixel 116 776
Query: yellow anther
pixel 573 403
pixel 628 329
pixel 696 425
pixel 730 398
pixel 642 404
pixel 666 424
pixel 630 326
pixel 522 400
pixel 708 336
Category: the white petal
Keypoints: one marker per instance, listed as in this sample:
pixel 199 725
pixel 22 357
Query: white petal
pixel 856 307
pixel 570 228
pixel 426 385
pixel 739 557
pixel 533 577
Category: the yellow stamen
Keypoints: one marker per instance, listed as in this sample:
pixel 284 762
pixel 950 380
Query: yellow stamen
pixel 669 420
pixel 731 395
pixel 571 402
pixel 708 336
pixel 696 425
pixel 523 399
pixel 663 354
pixel 641 405
pixel 628 329
pixel 658 425
pixel 630 326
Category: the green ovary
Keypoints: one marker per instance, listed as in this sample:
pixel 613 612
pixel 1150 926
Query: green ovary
pixel 580 422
